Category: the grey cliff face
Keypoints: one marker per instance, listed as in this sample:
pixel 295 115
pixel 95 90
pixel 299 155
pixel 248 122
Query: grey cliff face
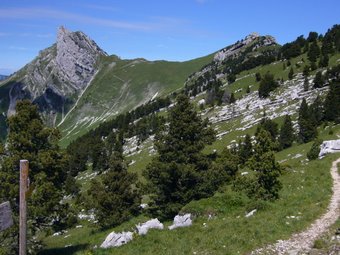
pixel 57 74
pixel 76 57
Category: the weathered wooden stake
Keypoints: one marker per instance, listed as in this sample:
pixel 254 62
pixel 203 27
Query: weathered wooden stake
pixel 23 206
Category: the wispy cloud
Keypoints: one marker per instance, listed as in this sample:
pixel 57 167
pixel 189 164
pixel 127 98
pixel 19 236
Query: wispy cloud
pixel 18 48
pixel 34 13
pixel 100 7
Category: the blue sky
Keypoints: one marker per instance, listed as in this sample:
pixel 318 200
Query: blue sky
pixel 172 30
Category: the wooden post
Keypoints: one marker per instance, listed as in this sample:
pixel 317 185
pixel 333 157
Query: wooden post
pixel 23 206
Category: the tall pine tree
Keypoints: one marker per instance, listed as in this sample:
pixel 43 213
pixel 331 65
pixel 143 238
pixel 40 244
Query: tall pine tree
pixel 307 129
pixel 332 103
pixel 286 137
pixel 316 111
pixel 267 84
pixel 29 139
pixel 266 168
pixel 246 150
pixel 178 173
pixel 113 196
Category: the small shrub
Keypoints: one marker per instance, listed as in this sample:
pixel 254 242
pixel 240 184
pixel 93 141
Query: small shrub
pixel 315 150
pixel 331 132
pixel 247 184
pixel 319 244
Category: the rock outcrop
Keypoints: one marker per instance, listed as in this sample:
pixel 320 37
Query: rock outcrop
pixel 239 46
pixel 117 239
pixel 231 58
pixel 57 76
pixel 181 221
pixel 76 57
pixel 331 146
pixel 150 224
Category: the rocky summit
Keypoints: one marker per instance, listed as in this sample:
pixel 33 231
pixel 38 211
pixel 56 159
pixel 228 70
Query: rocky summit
pixel 57 76
pixel 76 57
pixel 253 39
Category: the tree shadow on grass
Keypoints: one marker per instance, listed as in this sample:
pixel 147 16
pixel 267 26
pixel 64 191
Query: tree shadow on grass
pixel 64 250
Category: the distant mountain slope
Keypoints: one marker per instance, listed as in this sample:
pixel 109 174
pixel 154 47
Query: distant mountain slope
pixel 252 51
pixel 121 85
pixel 76 85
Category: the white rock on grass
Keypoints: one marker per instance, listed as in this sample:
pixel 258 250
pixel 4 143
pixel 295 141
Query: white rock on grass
pixel 251 213
pixel 143 206
pixel 144 227
pixel 117 239
pixel 297 156
pixel 331 146
pixel 202 101
pixel 181 221
pixel 57 234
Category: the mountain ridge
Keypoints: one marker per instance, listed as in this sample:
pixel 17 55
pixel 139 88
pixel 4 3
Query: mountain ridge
pixel 77 85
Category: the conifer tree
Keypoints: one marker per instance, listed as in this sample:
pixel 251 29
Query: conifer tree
pixel 113 197
pixel 99 155
pixel 306 71
pixel 314 52
pixel 231 78
pixel 316 111
pixel 291 73
pixel 324 59
pixel 286 137
pixel 257 77
pixel 314 151
pixel 307 130
pixel 223 169
pixel 313 66
pixel 29 139
pixel 312 37
pixel 318 80
pixel 305 84
pixel 327 45
pixel 246 149
pixel 332 102
pixel 178 173
pixel 232 98
pixel 270 126
pixel 266 168
pixel 267 85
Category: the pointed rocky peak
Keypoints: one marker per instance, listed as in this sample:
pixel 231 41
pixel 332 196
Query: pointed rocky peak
pixel 76 56
pixel 76 41
pixel 62 33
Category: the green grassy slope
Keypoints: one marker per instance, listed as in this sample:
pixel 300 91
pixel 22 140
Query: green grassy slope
pixel 121 85
pixel 229 231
